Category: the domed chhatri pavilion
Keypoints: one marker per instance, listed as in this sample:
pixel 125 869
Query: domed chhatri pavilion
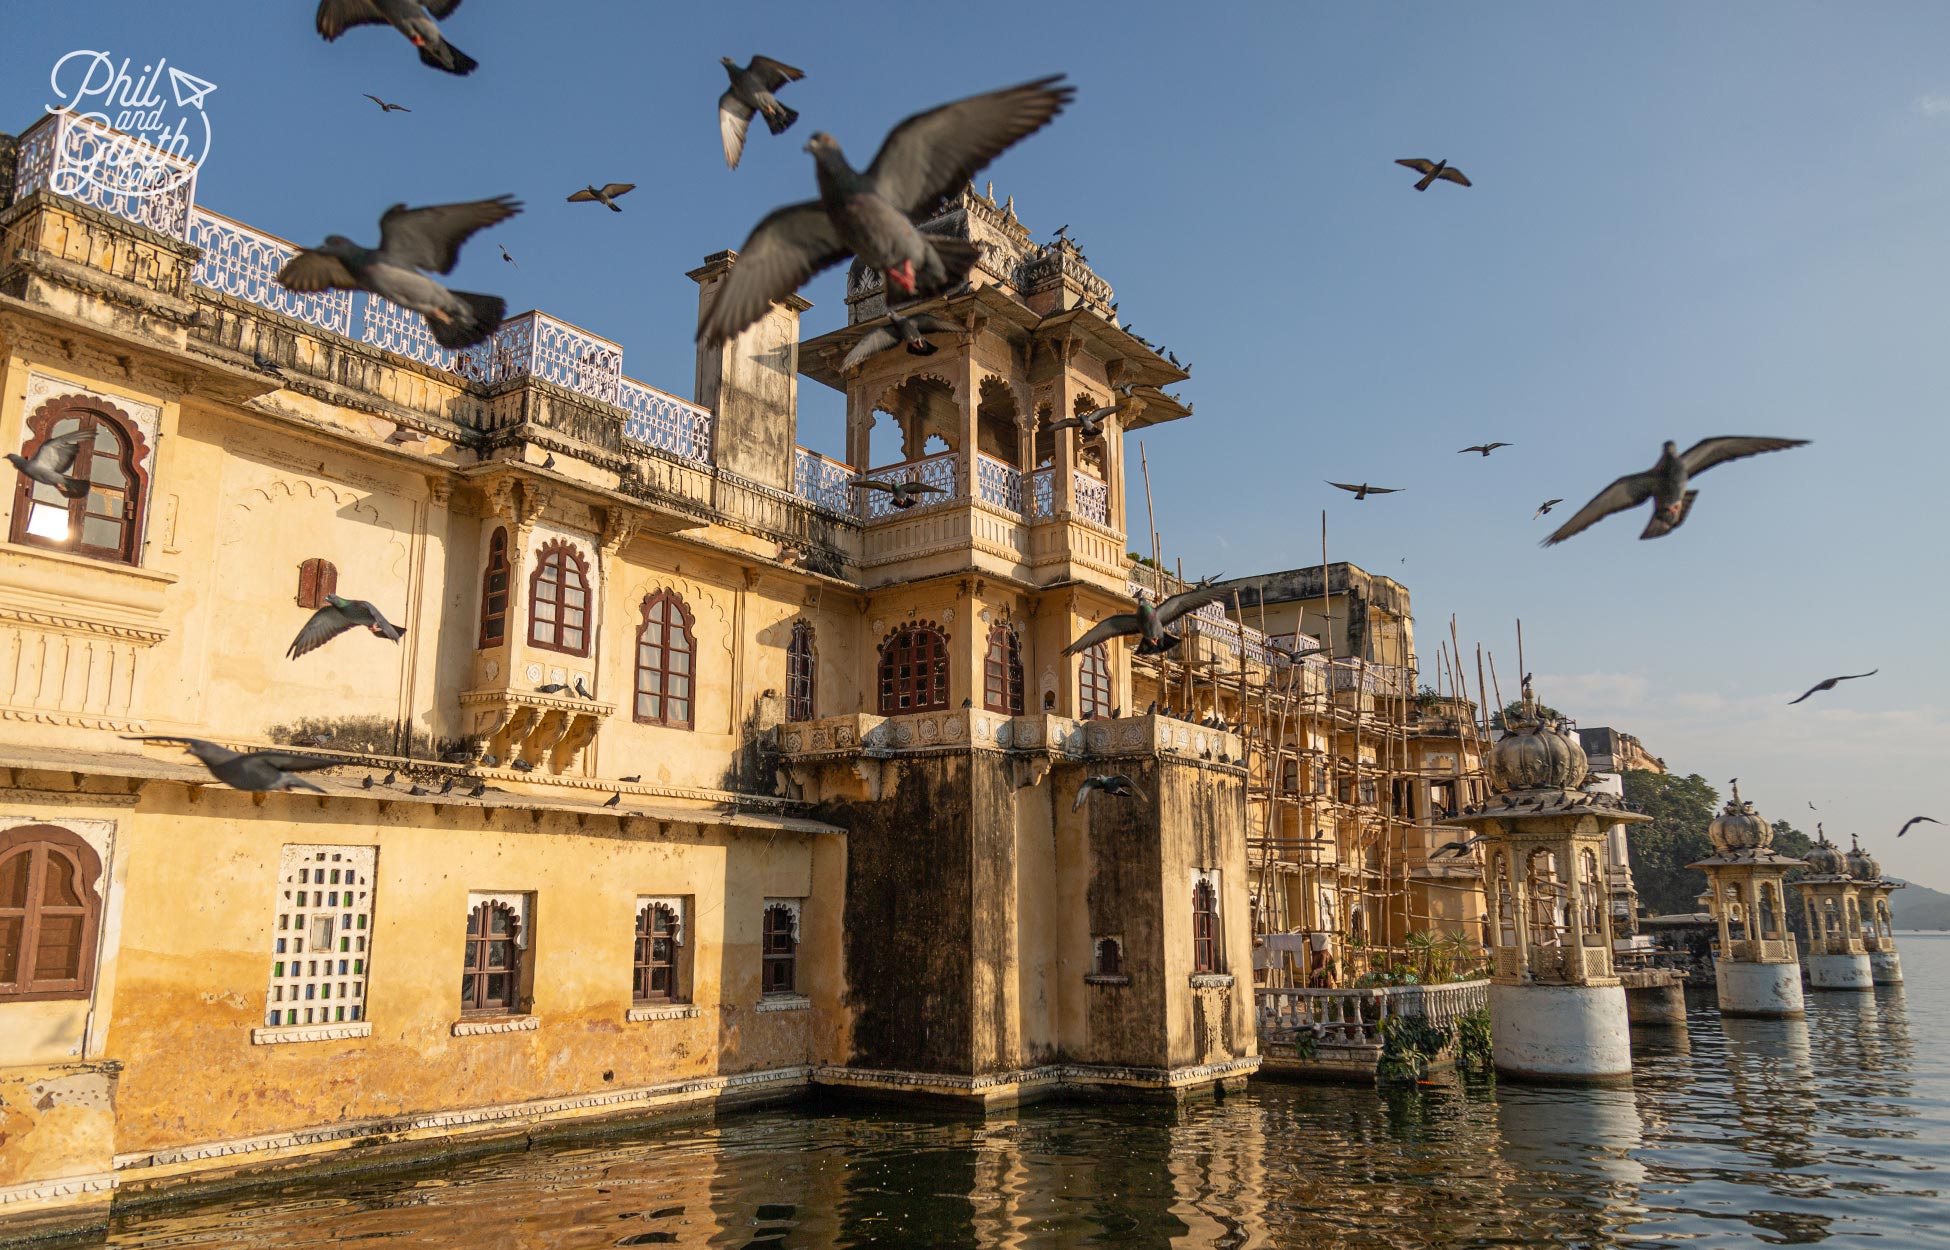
pixel 1557 1011
pixel 1878 926
pixel 1758 972
pixel 1836 956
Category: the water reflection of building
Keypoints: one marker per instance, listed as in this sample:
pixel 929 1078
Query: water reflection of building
pixel 1758 969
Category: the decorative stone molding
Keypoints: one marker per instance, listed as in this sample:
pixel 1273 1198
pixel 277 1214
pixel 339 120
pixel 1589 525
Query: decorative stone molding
pixel 496 1024
pixel 38 1192
pixel 1101 978
pixel 669 1011
pixel 1211 980
pixel 78 625
pixel 784 1002
pixel 310 1033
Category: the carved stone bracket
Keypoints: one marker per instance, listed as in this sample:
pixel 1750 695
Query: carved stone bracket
pixel 619 526
pixel 1030 770
pixel 537 729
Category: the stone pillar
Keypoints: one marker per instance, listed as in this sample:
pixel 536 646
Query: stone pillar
pixel 751 384
pixel 1758 973
pixel 1836 957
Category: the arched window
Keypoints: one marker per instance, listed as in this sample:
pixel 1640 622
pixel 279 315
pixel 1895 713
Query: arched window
pixel 779 947
pixel 665 651
pixel 1109 960
pixel 1736 908
pixel 1854 919
pixel 1592 889
pixel 799 672
pixel 491 973
pixel 1770 915
pixel 1093 682
pixel 1205 927
pixel 913 670
pixel 1505 887
pixel 558 599
pixel 316 580
pixel 1002 672
pixel 659 942
pixel 494 591
pixel 105 520
pixel 49 914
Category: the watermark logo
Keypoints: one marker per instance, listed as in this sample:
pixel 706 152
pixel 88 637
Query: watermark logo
pixel 165 134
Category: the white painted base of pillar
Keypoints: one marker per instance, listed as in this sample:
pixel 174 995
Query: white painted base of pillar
pixel 1886 968
pixel 1759 989
pixel 1839 972
pixel 1561 1032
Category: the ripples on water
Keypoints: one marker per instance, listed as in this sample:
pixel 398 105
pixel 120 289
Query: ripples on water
pixel 1833 1130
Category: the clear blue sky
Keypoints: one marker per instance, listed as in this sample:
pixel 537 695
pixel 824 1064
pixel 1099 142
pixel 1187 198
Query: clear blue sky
pixel 1688 220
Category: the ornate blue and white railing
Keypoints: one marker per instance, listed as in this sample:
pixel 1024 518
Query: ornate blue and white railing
pixel 998 483
pixel 1042 494
pixel 391 328
pixel 243 262
pixel 936 470
pixel 537 345
pixel 822 481
pixel 1093 498
pixel 663 421
pixel 100 166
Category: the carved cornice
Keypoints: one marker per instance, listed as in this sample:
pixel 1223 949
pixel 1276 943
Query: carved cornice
pixel 81 625
pixel 66 273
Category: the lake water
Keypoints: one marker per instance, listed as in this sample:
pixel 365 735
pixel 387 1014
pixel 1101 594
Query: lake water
pixel 1831 1131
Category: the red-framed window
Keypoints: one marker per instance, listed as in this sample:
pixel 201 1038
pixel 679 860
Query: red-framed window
pixel 914 670
pixel 491 973
pixel 1002 671
pixel 666 655
pixel 800 672
pixel 1205 928
pixel 494 591
pixel 1093 682
pixel 780 950
pixel 659 946
pixel 316 579
pixel 106 522
pixel 558 599
pixel 49 914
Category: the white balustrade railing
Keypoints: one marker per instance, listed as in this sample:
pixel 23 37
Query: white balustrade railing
pixel 1093 498
pixel 664 421
pixel 1354 1017
pixel 998 483
pixel 100 166
pixel 936 470
pixel 243 262
pixel 540 346
pixel 822 481
pixel 1042 494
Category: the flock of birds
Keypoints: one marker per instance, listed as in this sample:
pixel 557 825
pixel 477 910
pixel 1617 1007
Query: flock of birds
pixel 872 214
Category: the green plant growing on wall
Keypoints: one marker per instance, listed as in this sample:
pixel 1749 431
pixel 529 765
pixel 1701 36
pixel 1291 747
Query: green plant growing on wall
pixel 1408 1044
pixel 1473 1052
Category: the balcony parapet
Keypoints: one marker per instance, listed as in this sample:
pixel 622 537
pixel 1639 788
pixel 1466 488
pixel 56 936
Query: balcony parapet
pixel 547 731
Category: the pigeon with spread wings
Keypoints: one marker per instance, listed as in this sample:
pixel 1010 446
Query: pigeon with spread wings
pixel 412 18
pixel 1364 490
pixel 905 494
pixel 1149 624
pixel 604 195
pixel 333 619
pixel 1114 784
pixel 1916 820
pixel 1484 448
pixel 247 770
pixel 1829 684
pixel 411 240
pixel 51 461
pixel 1665 483
pixel 910 332
pixel 870 213
pixel 1091 424
pixel 751 92
pixel 1432 170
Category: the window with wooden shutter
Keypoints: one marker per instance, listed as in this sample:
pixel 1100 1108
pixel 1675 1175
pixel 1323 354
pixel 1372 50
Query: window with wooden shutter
pixel 49 914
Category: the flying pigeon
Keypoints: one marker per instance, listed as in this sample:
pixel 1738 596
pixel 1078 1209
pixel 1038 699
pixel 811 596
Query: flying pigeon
pixel 504 255
pixel 751 92
pixel 869 213
pixel 606 196
pixel 1116 783
pixel 1459 848
pixel 1431 170
pixel 1150 625
pixel 246 770
pixel 1364 490
pixel 411 18
pixel 1914 820
pixel 1292 655
pixel 903 492
pixel 1818 687
pixel 1485 448
pixel 411 239
pixel 51 461
pixel 1665 484
pixel 337 616
pixel 387 106
pixel 1543 509
pixel 910 332
pixel 1091 423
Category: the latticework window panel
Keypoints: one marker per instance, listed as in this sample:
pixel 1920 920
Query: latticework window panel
pixel 320 944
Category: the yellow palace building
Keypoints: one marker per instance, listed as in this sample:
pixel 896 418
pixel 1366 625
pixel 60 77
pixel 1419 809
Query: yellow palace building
pixel 695 777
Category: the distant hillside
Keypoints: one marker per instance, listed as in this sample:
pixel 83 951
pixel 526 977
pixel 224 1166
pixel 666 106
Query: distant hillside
pixel 1920 907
